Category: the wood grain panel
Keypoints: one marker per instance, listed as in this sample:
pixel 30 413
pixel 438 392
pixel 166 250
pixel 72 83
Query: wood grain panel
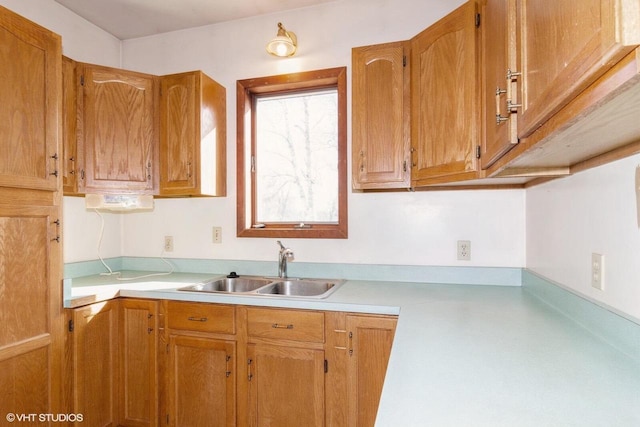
pixel 30 66
pixel 564 47
pixel 24 274
pixel 295 325
pixel 498 56
pixel 138 379
pixel 179 130
pixel 119 130
pixel 201 382
pixel 69 156
pixel 370 344
pixel 25 384
pixel 380 151
pixel 95 348
pixel 286 387
pixel 193 136
pixel 201 317
pixel 444 98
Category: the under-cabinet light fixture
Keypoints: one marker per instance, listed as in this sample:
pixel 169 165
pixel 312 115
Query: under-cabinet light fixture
pixel 284 44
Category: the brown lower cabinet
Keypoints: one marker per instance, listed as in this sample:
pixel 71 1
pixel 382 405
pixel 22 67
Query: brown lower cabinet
pixel 149 363
pixel 201 369
pixel 114 352
pixel 94 344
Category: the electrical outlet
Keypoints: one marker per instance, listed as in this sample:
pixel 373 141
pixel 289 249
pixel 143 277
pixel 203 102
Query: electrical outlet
pixel 597 271
pixel 217 234
pixel 464 250
pixel 168 243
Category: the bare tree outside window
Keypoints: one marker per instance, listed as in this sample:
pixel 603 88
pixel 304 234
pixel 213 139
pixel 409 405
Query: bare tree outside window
pixel 297 158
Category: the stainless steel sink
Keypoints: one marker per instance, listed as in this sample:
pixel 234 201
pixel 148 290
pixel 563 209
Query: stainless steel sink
pixel 229 284
pixel 252 285
pixel 298 288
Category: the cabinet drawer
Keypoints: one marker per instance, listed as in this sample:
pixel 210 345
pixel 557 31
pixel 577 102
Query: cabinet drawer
pixel 286 324
pixel 201 317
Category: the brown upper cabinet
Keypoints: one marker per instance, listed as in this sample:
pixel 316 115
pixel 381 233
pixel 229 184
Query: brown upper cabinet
pixel 69 156
pixel 193 127
pixel 498 43
pixel 563 46
pixel 129 132
pixel 445 99
pixel 416 109
pixel 29 88
pixel 519 91
pixel 538 56
pixel 381 122
pixel 118 136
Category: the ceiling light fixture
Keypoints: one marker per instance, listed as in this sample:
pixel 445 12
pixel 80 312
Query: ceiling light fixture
pixel 284 44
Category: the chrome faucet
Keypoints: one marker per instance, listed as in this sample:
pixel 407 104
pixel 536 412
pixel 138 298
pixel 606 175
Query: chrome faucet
pixel 284 255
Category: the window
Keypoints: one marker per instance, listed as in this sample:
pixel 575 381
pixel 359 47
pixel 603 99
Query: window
pixel 292 158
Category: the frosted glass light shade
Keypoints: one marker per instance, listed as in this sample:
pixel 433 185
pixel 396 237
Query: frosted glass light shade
pixel 284 44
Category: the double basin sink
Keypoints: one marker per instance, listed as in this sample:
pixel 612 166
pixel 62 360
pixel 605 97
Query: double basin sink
pixel 252 285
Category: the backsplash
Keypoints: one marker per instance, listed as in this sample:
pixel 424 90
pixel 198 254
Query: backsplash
pixel 501 276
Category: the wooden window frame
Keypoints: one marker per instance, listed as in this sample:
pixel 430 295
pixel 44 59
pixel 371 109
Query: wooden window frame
pixel 246 91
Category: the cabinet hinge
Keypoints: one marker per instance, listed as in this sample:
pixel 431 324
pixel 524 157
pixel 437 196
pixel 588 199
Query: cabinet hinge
pixel 477 20
pixel 71 325
pixel 167 348
pixel 81 80
pixel 478 152
pixel 404 60
pixel 253 164
pixel 326 366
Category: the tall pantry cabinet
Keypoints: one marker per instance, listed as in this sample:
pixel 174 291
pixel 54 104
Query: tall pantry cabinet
pixel 31 336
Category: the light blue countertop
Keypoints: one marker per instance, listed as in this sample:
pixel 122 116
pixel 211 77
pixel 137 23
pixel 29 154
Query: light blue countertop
pixel 463 355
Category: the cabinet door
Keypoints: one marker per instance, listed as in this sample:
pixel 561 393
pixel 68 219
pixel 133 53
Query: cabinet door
pixel 30 309
pixel 192 135
pixel 201 376
pixel 498 56
pixel 95 363
pixel 30 64
pixel 445 99
pixel 69 155
pixel 370 340
pixel 138 363
pixel 286 386
pixel 119 137
pixel 380 105
pixel 564 46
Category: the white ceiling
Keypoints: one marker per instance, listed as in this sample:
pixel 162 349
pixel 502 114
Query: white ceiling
pixel 127 19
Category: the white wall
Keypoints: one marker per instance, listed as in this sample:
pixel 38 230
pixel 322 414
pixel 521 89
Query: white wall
pixel 593 211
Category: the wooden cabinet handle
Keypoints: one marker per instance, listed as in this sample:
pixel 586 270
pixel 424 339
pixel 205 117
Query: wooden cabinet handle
pixel 197 319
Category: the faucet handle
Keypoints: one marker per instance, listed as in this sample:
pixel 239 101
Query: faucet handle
pixel 281 245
